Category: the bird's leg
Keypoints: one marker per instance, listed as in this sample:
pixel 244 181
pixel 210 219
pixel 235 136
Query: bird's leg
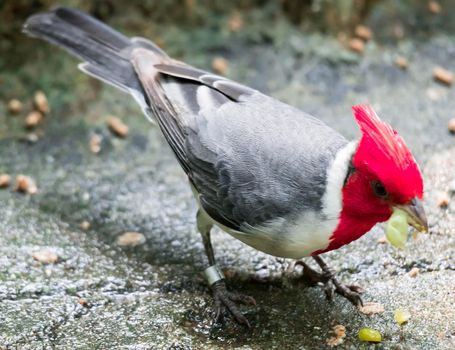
pixel 215 278
pixel 352 293
pixel 327 277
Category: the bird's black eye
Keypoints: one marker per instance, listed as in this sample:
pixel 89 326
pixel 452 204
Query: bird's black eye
pixel 379 189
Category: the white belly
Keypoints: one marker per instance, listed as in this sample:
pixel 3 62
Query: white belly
pixel 295 241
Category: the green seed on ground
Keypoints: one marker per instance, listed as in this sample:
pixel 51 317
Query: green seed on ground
pixel 401 316
pixel 369 334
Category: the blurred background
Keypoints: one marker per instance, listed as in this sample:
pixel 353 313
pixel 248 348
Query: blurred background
pixel 98 247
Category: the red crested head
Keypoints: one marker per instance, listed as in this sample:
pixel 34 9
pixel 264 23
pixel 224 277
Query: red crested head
pixel 382 155
pixel 383 175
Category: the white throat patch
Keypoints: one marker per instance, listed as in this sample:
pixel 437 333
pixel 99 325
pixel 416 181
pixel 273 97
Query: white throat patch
pixel 332 199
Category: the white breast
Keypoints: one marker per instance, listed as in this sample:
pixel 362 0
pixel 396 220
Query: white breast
pixel 312 230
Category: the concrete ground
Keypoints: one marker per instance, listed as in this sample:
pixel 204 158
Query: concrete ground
pixel 99 295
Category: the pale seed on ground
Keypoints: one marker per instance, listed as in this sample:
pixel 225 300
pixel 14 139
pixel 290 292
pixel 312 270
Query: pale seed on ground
pixel 117 126
pixel 443 200
pixel 451 125
pixel 33 119
pixel 356 45
pixel 25 184
pixel 14 106
pixel 413 272
pixel 220 65
pixel 443 75
pixel 401 62
pixel 434 7
pixel 5 180
pixel 130 239
pixel 45 256
pixel 363 32
pixel 41 103
pixel 95 143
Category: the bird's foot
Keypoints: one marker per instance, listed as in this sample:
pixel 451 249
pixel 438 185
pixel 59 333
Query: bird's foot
pixel 229 300
pixel 331 283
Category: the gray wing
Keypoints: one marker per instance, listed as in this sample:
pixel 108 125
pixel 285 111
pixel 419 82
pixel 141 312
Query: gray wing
pixel 251 158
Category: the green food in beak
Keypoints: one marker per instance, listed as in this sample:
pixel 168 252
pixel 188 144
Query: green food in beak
pixel 397 226
pixel 397 229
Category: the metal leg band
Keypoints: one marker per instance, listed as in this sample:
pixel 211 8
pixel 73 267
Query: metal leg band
pixel 213 274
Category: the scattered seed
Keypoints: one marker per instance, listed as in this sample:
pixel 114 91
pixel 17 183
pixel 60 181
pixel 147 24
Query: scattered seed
pixel 84 225
pixel 434 7
pixel 371 308
pixel 25 184
pixel 443 75
pixel 14 106
pixel 401 316
pixel 82 302
pixel 95 143
pixel 5 180
pixel 401 62
pixel 382 240
pixel 370 335
pixel 451 126
pixel 340 334
pixel 363 32
pixel 413 272
pixel 220 65
pixel 33 119
pixel 117 126
pixel 443 200
pixel 356 45
pixel 45 256
pixel 130 239
pixel 235 22
pixel 40 102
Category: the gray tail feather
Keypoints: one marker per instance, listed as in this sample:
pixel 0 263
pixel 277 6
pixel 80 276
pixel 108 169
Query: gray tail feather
pixel 106 52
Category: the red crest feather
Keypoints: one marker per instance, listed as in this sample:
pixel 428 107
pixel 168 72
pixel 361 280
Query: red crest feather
pixel 383 154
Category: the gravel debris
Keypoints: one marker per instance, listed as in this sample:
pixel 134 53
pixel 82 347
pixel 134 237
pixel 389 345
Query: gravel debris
pixel 371 308
pixel 338 338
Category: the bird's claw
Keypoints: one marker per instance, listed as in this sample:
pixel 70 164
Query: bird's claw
pixel 351 293
pixel 331 284
pixel 229 300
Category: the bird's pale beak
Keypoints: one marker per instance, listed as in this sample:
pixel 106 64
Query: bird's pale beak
pixel 416 214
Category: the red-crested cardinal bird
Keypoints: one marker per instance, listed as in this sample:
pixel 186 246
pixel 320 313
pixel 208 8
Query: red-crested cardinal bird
pixel 267 173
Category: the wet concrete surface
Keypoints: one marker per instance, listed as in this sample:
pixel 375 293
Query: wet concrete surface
pixel 153 296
